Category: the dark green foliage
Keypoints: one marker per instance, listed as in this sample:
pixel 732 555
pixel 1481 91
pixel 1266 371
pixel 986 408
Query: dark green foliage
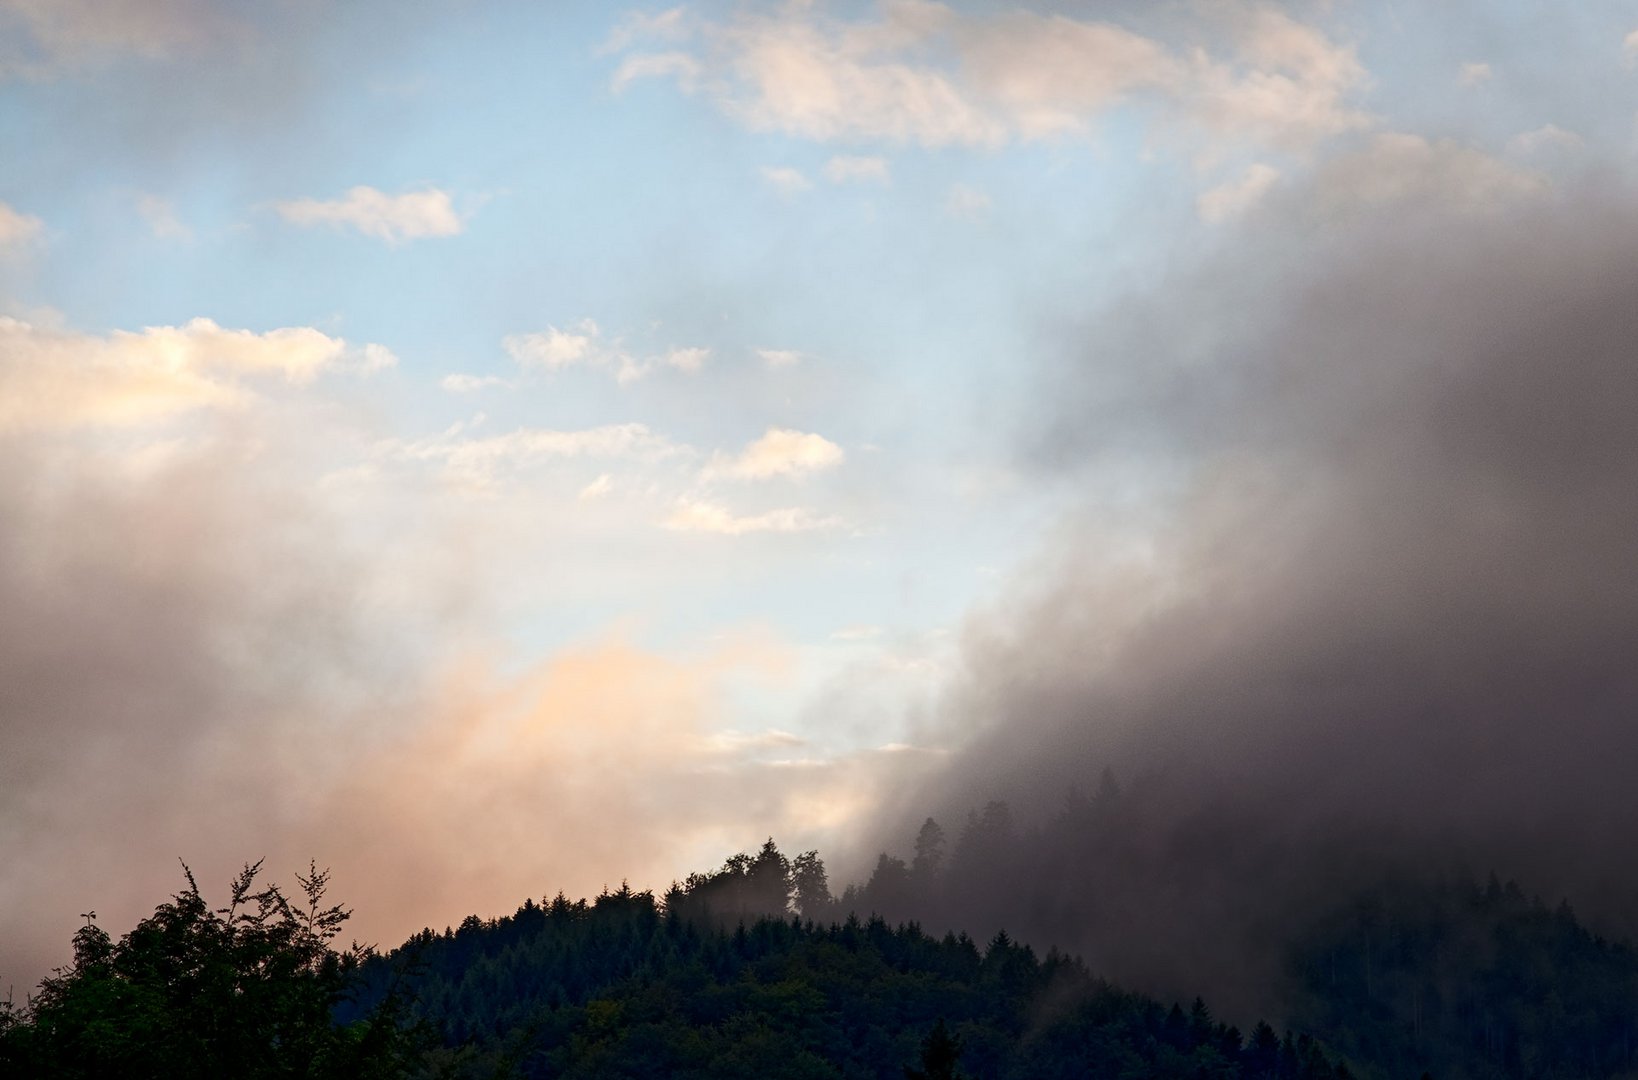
pixel 246 991
pixel 1464 981
pixel 624 986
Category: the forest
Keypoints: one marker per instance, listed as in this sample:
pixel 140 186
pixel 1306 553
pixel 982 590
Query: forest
pixel 756 969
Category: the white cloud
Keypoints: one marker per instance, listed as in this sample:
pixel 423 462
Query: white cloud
pixel 1629 47
pixel 584 344
pixel 461 383
pixel 1234 198
pixel 687 360
pixel 477 461
pixel 966 202
pixel 1549 138
pixel 54 377
pixel 851 170
pixel 781 452
pixel 922 72
pixel 17 228
pixel 677 65
pixel 787 181
pixel 777 358
pixel 856 633
pixel 1473 74
pixel 161 218
pixel 597 488
pixel 553 349
pixel 394 218
pixel 693 515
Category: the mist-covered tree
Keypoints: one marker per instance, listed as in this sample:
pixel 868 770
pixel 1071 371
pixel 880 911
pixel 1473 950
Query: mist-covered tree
pixel 929 857
pixel 810 886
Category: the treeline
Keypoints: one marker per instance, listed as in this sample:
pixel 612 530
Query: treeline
pixel 758 969
pixel 709 982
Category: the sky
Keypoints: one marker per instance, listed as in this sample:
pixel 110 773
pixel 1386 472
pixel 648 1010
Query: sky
pixel 492 448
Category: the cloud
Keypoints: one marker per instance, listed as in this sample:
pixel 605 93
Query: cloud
pixel 856 633
pixel 478 461
pixel 785 180
pixel 1549 138
pixel 585 345
pixel 1395 167
pixel 1629 48
pixel 461 383
pixel 922 72
pixel 676 65
pixel 1472 74
pixel 413 215
pixel 695 515
pixel 59 378
pixel 161 218
pixel 1230 200
pixel 778 358
pixel 18 229
pixel 597 488
pixel 554 349
pixel 1373 620
pixel 42 38
pixel 689 360
pixel 780 452
pixel 635 26
pixel 856 170
pixel 964 201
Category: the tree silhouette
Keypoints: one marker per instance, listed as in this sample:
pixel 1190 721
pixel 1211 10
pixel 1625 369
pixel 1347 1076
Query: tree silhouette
pixel 939 1053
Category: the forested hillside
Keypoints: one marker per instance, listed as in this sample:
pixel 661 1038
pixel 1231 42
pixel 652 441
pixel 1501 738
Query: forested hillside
pixel 756 970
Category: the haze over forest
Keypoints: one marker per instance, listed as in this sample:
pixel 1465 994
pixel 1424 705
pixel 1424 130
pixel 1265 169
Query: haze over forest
pixel 499 447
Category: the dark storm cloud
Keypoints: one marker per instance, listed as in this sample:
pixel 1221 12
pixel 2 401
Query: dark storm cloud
pixel 1390 617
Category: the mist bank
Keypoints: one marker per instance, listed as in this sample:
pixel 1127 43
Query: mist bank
pixel 1377 616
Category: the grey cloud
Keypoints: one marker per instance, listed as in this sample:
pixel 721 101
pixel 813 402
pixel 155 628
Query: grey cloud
pixel 1386 621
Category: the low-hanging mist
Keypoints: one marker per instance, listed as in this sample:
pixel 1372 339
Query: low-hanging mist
pixel 1383 625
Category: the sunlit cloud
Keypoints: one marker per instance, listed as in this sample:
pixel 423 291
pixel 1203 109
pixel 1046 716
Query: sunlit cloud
pixel 584 344
pixel 697 515
pixel 780 452
pixel 412 215
pixel 925 73
pixel 56 377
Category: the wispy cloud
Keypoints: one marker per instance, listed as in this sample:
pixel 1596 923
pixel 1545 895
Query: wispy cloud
pixel 1472 74
pixel 461 383
pixel 965 201
pixel 17 228
pixel 856 170
pixel 412 215
pixel 584 344
pixel 161 218
pixel 786 180
pixel 696 515
pixel 478 461
pixel 923 72
pixel 778 358
pixel 1234 198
